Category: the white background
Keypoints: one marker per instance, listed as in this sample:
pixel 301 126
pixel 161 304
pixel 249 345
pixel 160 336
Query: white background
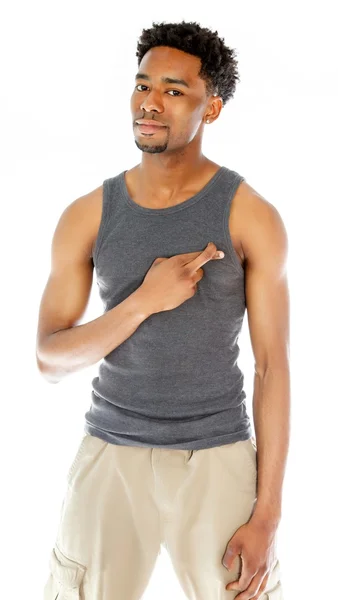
pixel 67 73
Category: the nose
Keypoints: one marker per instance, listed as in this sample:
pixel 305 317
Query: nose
pixel 151 102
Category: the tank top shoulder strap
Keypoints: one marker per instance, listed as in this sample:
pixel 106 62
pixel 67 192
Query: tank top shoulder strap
pixel 232 180
pixel 109 189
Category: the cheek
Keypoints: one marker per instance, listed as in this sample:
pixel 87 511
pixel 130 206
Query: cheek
pixel 135 101
pixel 193 126
pixel 193 116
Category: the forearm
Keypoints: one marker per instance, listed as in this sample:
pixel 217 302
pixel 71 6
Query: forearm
pixel 271 414
pixel 78 347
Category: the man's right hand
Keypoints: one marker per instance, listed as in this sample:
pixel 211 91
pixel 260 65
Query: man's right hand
pixel 171 281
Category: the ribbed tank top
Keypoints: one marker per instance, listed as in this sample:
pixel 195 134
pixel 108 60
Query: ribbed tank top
pixel 175 382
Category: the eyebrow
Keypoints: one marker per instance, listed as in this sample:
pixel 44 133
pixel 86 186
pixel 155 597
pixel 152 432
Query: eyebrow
pixel 164 79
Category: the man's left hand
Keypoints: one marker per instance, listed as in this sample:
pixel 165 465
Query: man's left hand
pixel 255 542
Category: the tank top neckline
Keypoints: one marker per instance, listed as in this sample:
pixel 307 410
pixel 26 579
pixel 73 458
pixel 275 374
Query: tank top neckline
pixel 169 209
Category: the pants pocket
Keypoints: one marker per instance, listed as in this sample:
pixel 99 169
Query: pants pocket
pixel 275 594
pixel 78 454
pixel 275 589
pixel 251 449
pixel 65 579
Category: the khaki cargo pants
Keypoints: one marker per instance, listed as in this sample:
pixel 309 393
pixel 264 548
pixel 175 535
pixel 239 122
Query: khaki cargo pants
pixel 123 502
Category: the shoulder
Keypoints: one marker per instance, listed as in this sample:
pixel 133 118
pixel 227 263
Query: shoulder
pixel 258 225
pixel 82 218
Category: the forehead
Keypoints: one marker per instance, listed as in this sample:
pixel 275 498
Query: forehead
pixel 171 62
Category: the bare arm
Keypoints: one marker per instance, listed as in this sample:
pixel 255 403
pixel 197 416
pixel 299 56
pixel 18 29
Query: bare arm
pixel 265 246
pixel 63 346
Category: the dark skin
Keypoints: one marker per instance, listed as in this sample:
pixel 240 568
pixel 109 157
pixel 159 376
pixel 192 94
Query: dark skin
pixel 173 169
pixel 177 169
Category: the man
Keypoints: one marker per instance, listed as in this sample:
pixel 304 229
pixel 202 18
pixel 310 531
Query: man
pixel 169 456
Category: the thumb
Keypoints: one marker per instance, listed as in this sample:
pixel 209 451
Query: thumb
pixel 231 552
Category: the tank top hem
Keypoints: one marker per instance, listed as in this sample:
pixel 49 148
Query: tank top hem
pixel 220 440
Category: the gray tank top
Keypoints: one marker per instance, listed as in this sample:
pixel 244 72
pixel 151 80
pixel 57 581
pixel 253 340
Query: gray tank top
pixel 175 382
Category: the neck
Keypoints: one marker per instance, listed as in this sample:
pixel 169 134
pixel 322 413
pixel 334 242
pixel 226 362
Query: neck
pixel 168 175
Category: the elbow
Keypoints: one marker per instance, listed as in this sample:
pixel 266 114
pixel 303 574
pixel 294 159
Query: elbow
pixel 50 378
pixel 271 367
pixel 46 373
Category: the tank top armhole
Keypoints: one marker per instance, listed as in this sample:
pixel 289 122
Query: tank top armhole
pixel 232 252
pixel 105 216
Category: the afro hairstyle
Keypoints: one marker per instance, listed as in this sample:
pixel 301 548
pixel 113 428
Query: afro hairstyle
pixel 218 61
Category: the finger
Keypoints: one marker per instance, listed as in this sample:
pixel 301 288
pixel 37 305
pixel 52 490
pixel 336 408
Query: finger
pixel 246 577
pixel 254 588
pixel 207 254
pixel 261 588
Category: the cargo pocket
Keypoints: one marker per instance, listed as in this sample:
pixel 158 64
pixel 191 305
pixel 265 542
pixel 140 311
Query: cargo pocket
pixel 65 578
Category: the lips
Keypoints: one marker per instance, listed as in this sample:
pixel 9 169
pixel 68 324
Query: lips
pixel 151 123
pixel 149 128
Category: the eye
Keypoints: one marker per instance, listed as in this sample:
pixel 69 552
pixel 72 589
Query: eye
pixel 144 86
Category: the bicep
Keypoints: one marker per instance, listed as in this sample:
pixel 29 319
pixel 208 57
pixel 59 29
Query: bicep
pixel 266 287
pixel 67 291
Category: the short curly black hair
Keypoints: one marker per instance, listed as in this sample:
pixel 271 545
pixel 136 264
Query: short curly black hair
pixel 219 64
